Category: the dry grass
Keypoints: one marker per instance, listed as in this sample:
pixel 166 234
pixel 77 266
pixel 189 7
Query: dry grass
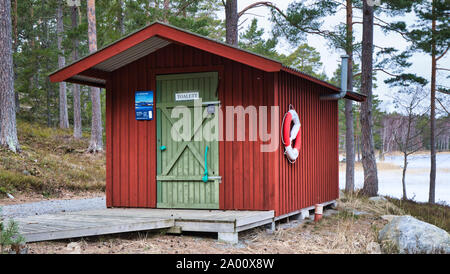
pixel 390 167
pixel 356 201
pixel 336 234
pixel 51 163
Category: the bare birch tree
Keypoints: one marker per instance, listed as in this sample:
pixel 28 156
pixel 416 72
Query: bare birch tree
pixel 408 134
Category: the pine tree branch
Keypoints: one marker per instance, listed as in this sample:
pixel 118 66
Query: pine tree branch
pixel 378 69
pixel 261 4
pixel 278 10
pixel 186 5
pixel 387 27
pixel 442 55
pixel 442 105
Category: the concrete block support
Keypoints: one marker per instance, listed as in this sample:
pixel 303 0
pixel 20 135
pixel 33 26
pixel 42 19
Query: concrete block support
pixel 174 230
pixel 304 214
pixel 228 237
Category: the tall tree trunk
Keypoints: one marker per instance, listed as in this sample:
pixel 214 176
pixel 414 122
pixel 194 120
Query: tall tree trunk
pixel 120 18
pixel 77 134
pixel 17 99
pixel 382 134
pixel 96 143
pixel 349 132
pixel 8 129
pixel 405 148
pixel 33 77
pixel 368 154
pixel 166 11
pixel 15 45
pixel 49 109
pixel 63 112
pixel 405 164
pixel 358 148
pixel 431 197
pixel 232 19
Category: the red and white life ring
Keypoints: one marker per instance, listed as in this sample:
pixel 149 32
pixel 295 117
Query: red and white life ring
pixel 289 135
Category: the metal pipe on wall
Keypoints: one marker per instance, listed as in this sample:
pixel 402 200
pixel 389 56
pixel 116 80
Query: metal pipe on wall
pixel 344 76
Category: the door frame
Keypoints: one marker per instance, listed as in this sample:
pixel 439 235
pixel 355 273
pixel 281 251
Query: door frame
pixel 186 70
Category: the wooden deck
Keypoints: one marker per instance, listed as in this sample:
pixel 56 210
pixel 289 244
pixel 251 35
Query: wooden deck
pixel 118 220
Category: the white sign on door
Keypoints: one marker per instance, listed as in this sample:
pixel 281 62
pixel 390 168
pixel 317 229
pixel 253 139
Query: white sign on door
pixel 187 96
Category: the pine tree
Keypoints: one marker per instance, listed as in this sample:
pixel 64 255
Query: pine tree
pixel 231 22
pixel 370 187
pixel 252 40
pixel 8 130
pixel 431 36
pixel 96 143
pixel 77 134
pixel 350 132
pixel 63 112
pixel 305 58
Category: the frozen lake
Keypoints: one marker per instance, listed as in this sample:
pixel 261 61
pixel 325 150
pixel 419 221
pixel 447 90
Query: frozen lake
pixel 417 177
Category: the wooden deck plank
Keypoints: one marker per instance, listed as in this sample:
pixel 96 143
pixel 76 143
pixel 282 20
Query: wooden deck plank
pixel 85 232
pixel 255 217
pixel 118 220
pixel 254 224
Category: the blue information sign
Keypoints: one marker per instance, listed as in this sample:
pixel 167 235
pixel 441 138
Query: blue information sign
pixel 144 105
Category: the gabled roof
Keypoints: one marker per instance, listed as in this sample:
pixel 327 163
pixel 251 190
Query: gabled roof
pixel 93 69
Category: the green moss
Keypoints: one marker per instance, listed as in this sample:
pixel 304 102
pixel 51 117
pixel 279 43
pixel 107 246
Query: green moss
pixel 78 175
pixel 51 161
pixel 346 214
pixel 12 181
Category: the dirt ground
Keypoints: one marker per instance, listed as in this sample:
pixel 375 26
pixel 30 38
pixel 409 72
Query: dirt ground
pixel 27 197
pixel 352 229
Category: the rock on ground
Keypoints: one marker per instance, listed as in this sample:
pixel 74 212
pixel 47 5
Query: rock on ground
pixel 73 248
pixel 389 218
pixel 377 199
pixel 406 234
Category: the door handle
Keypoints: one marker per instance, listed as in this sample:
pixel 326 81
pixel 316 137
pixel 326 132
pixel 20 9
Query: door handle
pixel 162 148
pixel 205 178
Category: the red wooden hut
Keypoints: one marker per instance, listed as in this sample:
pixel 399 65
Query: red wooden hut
pixel 146 169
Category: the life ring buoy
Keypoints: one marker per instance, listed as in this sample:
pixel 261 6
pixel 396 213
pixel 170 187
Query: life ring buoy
pixel 289 135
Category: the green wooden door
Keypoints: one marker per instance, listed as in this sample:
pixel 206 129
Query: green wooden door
pixel 181 154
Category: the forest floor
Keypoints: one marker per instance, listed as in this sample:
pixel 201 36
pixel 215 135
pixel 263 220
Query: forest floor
pixel 51 165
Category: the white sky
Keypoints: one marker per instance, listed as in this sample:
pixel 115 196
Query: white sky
pixel 331 57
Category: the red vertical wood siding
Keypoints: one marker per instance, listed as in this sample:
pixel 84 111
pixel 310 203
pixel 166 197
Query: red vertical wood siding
pixel 248 174
pixel 131 163
pixel 314 178
pixel 251 180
